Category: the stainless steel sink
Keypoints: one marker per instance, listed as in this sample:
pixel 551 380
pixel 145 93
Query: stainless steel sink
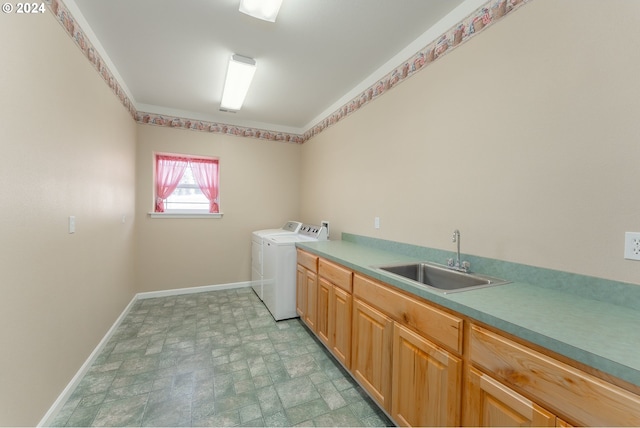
pixel 442 278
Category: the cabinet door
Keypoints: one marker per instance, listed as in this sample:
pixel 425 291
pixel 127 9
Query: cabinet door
pixel 371 351
pixel 301 291
pixel 340 325
pixel 322 316
pixel 490 403
pixel 426 382
pixel 310 316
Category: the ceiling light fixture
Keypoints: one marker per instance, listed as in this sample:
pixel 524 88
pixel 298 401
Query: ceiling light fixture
pixel 239 75
pixel 267 10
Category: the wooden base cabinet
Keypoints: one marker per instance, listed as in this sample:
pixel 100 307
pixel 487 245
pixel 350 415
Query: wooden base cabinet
pixel 423 385
pixel 426 382
pixel 323 301
pixel 335 285
pixel 572 394
pixel 306 288
pixel 371 351
pixel 310 284
pixel 492 404
pixel 322 322
pixel 340 324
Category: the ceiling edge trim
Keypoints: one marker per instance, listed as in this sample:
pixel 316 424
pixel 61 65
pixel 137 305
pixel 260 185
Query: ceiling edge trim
pixel 473 24
pixel 479 20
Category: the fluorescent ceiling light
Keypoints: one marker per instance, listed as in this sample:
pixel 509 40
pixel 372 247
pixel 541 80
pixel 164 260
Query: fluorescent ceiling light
pixel 239 75
pixel 267 10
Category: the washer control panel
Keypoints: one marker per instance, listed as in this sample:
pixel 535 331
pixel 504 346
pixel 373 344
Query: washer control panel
pixel 313 231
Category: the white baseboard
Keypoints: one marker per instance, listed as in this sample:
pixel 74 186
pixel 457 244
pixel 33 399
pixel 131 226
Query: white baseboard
pixel 66 393
pixel 192 290
pixel 68 390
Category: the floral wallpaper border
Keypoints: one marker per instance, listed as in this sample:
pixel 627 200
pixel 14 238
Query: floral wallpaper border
pixel 73 29
pixel 218 128
pixel 479 20
pixel 482 18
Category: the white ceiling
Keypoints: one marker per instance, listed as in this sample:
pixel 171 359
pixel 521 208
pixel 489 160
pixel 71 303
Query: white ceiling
pixel 171 55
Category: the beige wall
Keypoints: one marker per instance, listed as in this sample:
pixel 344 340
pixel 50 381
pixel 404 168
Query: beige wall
pixel 525 138
pixel 68 148
pixel 259 186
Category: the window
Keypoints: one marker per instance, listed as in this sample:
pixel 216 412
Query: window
pixel 186 184
pixel 187 195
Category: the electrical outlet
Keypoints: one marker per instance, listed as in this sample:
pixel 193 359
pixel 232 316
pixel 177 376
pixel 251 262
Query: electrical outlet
pixel 632 245
pixel 326 226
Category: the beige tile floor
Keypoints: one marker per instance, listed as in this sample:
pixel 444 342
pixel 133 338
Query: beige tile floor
pixel 215 359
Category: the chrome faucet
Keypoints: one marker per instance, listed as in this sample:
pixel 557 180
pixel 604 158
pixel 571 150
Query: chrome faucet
pixel 457 265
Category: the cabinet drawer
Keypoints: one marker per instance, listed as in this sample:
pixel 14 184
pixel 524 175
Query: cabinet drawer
pixel 308 260
pixel 575 394
pixel 441 327
pixel 335 274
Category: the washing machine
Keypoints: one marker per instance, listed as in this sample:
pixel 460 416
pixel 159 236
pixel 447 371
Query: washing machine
pixel 280 261
pixel 257 251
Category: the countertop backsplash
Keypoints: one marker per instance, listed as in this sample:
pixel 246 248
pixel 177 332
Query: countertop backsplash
pixel 614 292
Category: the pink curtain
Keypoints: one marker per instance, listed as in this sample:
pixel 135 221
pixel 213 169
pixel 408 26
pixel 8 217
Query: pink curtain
pixel 169 171
pixel 205 171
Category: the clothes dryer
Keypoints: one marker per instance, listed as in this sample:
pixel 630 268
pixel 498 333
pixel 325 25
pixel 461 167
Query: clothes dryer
pixel 257 251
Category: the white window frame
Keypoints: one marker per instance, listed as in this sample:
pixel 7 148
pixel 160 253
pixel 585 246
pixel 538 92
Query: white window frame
pixel 183 213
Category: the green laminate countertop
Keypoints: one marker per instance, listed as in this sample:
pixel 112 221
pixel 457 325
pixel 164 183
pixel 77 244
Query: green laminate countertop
pixel 600 334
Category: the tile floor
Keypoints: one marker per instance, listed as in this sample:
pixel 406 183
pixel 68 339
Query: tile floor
pixel 215 359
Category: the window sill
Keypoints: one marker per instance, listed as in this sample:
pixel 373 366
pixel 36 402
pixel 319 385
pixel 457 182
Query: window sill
pixel 185 215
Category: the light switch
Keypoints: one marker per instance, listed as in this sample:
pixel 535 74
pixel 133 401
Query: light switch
pixel 72 224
